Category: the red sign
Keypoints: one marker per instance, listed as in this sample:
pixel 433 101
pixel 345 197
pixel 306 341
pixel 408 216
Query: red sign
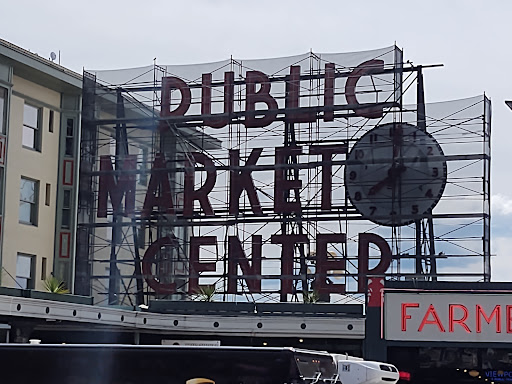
pixel 159 198
pixel 186 181
pixel 258 92
pixel 448 316
pixel 251 268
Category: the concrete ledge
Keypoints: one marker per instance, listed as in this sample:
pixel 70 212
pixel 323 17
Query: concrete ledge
pixel 87 316
pixel 30 293
pixel 256 309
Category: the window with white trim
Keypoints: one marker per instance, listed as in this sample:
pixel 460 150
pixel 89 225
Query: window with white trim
pixel 25 271
pixel 70 139
pixel 66 209
pixel 28 201
pixel 31 127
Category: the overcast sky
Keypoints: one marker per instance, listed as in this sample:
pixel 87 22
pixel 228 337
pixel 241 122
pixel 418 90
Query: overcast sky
pixel 471 38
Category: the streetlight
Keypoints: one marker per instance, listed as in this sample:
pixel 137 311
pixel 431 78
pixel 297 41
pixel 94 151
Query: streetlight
pixel 509 103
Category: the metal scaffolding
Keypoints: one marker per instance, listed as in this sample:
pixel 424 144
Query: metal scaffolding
pixel 140 167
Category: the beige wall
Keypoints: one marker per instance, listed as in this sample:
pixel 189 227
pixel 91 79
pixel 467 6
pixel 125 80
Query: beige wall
pixel 41 166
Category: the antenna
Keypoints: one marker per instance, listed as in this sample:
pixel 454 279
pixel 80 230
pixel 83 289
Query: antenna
pixel 53 56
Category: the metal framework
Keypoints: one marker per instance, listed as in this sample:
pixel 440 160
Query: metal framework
pixel 127 141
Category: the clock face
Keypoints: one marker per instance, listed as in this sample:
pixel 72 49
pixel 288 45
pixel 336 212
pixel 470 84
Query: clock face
pixel 395 174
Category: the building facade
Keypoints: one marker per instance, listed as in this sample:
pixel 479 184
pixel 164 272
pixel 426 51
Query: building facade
pixel 39 131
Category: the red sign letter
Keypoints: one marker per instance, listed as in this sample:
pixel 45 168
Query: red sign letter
pixel 150 258
pixel 125 186
pixel 159 182
pixel 236 256
pixel 329 92
pixel 168 84
pixel 509 318
pixel 283 186
pixel 262 96
pixel 366 68
pixel 292 100
pixel 241 179
pixel 496 313
pixel 461 321
pixel 206 100
pixel 323 264
pixel 195 266
pixel 404 316
pixel 431 311
pixel 202 193
pixel 364 254
pixel 326 152
pixel 288 242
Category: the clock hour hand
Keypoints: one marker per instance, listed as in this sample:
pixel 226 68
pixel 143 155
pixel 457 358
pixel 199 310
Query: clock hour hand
pixel 393 173
pixel 377 187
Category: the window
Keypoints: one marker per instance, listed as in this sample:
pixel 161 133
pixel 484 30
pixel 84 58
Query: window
pixel 66 209
pixel 70 140
pixel 44 263
pixel 31 132
pixel 25 271
pixel 28 201
pixel 51 118
pixel 3 109
pixel 47 195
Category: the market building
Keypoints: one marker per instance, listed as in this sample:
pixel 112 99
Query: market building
pixel 318 200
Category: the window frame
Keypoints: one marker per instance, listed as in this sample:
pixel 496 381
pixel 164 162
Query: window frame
pixel 51 120
pixel 34 205
pixel 47 194
pixel 4 94
pixel 66 209
pixel 30 280
pixel 69 148
pixel 36 130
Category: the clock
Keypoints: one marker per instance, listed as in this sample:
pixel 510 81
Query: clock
pixel 395 174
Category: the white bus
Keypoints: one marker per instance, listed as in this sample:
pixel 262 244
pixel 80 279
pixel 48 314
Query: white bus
pixel 354 370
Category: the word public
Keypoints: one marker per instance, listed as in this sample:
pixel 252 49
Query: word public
pixel 258 88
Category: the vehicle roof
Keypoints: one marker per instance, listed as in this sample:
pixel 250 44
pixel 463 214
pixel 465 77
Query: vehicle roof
pixel 180 347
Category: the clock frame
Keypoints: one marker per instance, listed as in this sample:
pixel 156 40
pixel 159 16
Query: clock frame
pixel 395 174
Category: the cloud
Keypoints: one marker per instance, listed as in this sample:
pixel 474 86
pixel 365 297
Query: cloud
pixel 472 265
pixel 501 266
pixel 501 262
pixel 501 204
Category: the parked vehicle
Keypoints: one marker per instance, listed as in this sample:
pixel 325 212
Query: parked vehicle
pixel 131 364
pixel 354 370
